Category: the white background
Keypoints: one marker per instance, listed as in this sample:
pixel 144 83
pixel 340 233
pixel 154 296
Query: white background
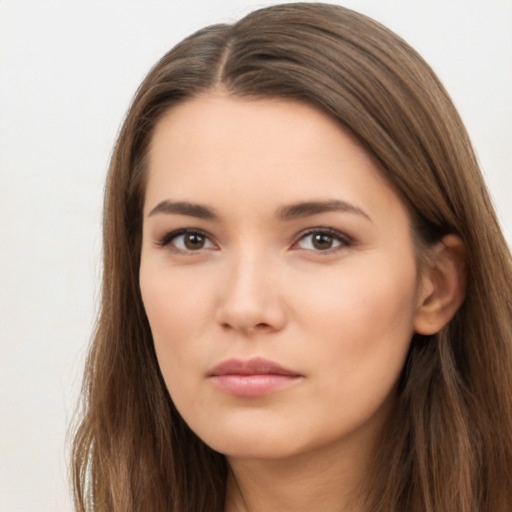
pixel 68 70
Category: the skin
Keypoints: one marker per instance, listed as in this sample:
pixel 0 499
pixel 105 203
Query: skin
pixel 340 313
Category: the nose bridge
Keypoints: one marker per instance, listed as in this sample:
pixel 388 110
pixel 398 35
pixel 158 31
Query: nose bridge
pixel 249 293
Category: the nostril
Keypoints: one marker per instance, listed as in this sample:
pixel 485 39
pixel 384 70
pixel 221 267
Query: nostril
pixel 246 328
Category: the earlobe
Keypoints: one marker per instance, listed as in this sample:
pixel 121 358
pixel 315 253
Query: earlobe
pixel 443 286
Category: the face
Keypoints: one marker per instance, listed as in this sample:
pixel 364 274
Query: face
pixel 278 274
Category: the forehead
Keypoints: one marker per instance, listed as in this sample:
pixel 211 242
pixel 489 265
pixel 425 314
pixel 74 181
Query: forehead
pixel 224 149
pixel 217 119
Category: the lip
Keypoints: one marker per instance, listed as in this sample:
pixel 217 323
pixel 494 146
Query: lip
pixel 253 377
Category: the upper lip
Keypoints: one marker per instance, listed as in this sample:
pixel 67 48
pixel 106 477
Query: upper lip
pixel 253 366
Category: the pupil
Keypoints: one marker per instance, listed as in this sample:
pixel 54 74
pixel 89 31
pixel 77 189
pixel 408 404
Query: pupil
pixel 194 241
pixel 321 241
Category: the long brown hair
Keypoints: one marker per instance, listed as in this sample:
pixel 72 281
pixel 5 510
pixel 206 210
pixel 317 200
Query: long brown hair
pixel 448 447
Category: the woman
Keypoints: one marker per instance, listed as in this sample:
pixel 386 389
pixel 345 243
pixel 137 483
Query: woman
pixel 306 299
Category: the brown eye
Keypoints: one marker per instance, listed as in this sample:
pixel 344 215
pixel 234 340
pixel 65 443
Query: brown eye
pixel 321 241
pixel 194 241
pixel 187 241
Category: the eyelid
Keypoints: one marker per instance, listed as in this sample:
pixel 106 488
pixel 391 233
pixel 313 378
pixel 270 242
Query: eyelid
pixel 166 240
pixel 345 240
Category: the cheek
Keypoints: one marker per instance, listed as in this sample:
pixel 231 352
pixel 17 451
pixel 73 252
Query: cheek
pixel 177 310
pixel 358 335
pixel 364 320
pixel 372 289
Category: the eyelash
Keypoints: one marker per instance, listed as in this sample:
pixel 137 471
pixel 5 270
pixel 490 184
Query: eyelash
pixel 169 237
pixel 344 240
pixel 337 236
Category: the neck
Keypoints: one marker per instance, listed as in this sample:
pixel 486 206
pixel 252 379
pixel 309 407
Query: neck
pixel 321 481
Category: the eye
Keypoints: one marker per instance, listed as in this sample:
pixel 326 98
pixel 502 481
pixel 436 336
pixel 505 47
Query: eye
pixel 187 240
pixel 323 240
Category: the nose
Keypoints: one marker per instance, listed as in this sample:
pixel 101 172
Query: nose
pixel 250 300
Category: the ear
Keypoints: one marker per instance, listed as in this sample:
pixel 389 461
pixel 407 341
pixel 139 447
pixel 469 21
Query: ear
pixel 443 286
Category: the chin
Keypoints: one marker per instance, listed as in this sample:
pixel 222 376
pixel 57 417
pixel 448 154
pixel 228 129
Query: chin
pixel 262 447
pixel 254 440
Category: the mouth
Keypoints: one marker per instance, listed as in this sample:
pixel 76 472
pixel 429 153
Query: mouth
pixel 253 377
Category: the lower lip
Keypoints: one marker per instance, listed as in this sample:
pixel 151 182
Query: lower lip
pixel 249 386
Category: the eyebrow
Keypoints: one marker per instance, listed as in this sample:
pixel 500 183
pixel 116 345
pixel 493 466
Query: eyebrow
pixel 184 208
pixel 306 209
pixel 289 212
